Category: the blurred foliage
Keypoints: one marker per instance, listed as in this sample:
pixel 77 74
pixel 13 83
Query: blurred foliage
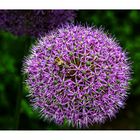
pixel 15 110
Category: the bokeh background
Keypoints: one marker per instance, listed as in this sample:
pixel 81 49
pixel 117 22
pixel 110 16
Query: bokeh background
pixel 15 110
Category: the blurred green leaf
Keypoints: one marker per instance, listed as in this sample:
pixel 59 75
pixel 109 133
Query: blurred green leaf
pixel 134 16
pixel 27 109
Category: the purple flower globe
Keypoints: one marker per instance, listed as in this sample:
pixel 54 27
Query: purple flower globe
pixel 34 22
pixel 77 75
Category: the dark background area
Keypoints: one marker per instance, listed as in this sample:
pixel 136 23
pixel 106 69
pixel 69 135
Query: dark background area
pixel 15 110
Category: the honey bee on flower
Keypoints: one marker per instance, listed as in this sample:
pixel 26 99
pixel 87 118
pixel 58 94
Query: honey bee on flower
pixel 59 61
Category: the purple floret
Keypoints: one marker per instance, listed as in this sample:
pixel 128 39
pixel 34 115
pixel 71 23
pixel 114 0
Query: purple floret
pixel 34 22
pixel 77 74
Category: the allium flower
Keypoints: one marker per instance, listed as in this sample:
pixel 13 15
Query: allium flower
pixel 77 74
pixel 34 22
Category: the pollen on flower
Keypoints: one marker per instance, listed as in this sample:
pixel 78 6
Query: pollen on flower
pixel 75 82
pixel 49 48
pixel 88 63
pixel 71 53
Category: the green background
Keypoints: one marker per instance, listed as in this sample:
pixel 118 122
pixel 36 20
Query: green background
pixel 15 110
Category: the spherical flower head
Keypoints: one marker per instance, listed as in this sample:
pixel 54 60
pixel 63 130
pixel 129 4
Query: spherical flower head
pixel 34 22
pixel 77 75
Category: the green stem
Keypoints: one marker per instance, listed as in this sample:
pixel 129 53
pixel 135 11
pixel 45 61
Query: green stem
pixel 18 105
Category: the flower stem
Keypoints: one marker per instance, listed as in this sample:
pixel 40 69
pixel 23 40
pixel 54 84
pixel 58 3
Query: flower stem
pixel 18 104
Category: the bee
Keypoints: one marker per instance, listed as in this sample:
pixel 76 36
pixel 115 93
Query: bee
pixel 59 61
